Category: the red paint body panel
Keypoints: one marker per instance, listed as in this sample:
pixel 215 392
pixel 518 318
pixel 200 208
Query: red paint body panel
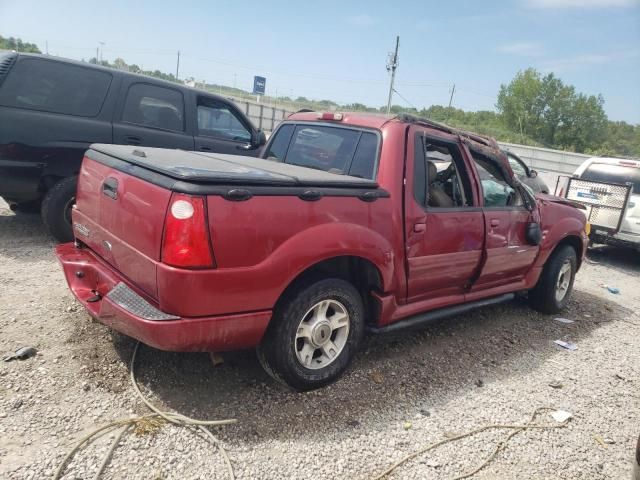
pixel 508 254
pixel 425 258
pixel 211 333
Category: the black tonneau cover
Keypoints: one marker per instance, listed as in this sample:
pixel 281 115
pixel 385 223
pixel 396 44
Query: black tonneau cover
pixel 222 169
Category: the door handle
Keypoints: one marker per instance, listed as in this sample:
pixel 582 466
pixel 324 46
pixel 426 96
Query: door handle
pixel 420 227
pixel 205 149
pixel 110 188
pixel 495 222
pixel 133 140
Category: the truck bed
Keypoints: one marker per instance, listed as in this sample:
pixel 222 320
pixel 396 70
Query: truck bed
pixel 220 169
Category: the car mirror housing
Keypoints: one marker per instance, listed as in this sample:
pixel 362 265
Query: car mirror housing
pixel 259 138
pixel 533 173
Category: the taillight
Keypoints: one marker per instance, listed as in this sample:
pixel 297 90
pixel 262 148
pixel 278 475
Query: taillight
pixel 186 241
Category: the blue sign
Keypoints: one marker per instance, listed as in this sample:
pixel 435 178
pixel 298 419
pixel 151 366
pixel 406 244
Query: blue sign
pixel 259 84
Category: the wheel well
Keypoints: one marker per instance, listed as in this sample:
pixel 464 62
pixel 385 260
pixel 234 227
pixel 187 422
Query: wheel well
pixel 48 181
pixel 576 243
pixel 358 271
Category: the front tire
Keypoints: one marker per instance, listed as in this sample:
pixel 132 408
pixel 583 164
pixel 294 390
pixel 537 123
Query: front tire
pixel 552 292
pixel 56 209
pixel 315 331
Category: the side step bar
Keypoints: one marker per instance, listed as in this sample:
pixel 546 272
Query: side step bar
pixel 434 315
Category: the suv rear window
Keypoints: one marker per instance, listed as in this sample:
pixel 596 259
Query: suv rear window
pixel 602 172
pixel 55 87
pixel 344 151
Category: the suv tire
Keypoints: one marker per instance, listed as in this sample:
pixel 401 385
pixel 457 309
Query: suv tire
pixel 315 331
pixel 56 209
pixel 552 292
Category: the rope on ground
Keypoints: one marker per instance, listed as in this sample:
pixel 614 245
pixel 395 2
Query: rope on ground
pixel 501 445
pixel 171 417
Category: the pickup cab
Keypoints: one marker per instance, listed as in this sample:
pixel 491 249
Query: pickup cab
pixel 351 223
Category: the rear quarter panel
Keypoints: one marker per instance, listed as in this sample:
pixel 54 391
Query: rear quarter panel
pixel 558 222
pixel 262 244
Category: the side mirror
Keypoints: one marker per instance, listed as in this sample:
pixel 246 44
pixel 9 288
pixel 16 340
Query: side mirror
pixel 258 139
pixel 533 173
pixel 533 234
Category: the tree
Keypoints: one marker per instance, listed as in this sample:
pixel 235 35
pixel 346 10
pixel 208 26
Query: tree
pixel 120 64
pixel 18 45
pixel 584 124
pixel 550 112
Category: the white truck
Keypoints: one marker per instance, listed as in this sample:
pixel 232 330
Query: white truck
pixel 610 189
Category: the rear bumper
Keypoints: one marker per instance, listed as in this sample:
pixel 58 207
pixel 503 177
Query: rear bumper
pixel 126 309
pixel 622 239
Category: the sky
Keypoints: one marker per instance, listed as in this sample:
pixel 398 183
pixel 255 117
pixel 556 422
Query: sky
pixel 338 50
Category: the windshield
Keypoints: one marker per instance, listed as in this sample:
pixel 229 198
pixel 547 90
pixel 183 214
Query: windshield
pixel 602 172
pixel 344 151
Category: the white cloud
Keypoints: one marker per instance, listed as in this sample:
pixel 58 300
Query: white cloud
pixel 362 20
pixel 581 3
pixel 526 49
pixel 587 60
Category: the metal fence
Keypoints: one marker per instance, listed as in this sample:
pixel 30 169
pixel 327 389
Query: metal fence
pixel 546 159
pixel 263 116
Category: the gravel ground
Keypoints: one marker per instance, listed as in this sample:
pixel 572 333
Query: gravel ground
pixel 495 365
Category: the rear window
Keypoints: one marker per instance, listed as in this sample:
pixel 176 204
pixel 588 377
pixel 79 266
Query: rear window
pixel 602 172
pixel 55 87
pixel 338 150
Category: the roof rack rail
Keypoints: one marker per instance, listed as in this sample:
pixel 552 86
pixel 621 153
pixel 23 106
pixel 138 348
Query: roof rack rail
pixel 482 139
pixel 302 110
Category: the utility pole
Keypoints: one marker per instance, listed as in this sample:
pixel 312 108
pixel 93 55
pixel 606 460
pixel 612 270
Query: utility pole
pixel 97 55
pixel 392 64
pixel 46 47
pixel 453 90
pixel 101 50
pixel 178 65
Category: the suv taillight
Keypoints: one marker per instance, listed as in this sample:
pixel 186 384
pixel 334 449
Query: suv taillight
pixel 186 241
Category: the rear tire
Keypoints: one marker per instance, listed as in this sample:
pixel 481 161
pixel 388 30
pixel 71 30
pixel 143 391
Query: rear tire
pixel 552 292
pixel 315 331
pixel 56 209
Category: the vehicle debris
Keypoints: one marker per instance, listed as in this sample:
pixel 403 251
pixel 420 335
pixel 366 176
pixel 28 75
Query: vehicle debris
pixel 21 354
pixel 563 320
pixel 567 345
pixel 561 416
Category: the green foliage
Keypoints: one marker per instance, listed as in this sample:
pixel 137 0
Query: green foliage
pixel 18 45
pixel 552 113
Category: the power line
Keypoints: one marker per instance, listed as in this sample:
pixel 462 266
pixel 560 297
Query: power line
pixel 407 101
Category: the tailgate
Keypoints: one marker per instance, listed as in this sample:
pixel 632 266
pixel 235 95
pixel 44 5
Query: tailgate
pixel 120 217
pixel 605 202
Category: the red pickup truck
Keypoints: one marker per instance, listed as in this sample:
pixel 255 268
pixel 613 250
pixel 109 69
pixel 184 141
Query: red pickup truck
pixel 350 222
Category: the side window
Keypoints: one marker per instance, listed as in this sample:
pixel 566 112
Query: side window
pixel 439 176
pixel 55 87
pixel 155 107
pixel 516 166
pixel 364 160
pixel 216 119
pixel 280 143
pixel 495 189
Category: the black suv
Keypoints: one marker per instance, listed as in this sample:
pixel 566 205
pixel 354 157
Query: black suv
pixel 52 109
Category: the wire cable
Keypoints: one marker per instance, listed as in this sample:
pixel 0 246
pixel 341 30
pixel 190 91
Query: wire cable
pixel 501 445
pixel 171 417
